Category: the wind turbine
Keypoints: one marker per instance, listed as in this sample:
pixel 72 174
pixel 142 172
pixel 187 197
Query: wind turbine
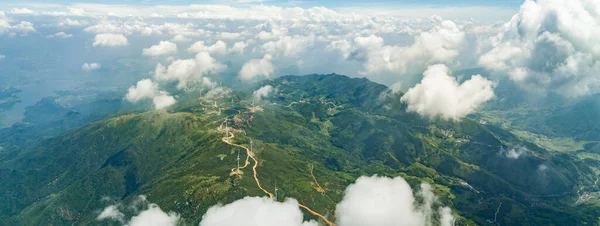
pixel 276 192
pixel 238 161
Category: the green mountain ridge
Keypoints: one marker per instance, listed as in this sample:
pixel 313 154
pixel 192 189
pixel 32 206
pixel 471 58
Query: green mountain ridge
pixel 325 129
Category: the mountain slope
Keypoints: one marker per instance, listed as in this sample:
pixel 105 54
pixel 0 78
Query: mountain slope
pixel 311 138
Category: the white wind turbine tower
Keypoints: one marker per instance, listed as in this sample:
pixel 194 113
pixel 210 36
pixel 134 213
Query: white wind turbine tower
pixel 238 161
pixel 276 192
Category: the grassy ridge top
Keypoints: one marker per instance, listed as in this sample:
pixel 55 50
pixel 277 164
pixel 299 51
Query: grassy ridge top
pixel 316 129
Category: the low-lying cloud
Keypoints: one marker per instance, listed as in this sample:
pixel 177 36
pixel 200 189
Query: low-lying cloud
pixel 255 68
pixel 151 215
pixel 514 152
pixel 110 40
pixel 255 211
pixel 440 95
pixel 147 89
pixel 154 216
pixel 263 92
pixel 370 201
pixel 189 71
pixel 112 212
pixel 391 202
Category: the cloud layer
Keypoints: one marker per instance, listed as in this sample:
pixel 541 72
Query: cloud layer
pixel 255 211
pixel 152 215
pixel 440 95
pixel 550 45
pixel 390 202
pixel 441 44
pixel 370 201
pixel 261 41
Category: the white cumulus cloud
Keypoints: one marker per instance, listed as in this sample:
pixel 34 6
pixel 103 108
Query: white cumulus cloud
pixel 263 92
pixel 289 45
pixel 147 89
pixel 110 40
pixel 388 201
pixel 257 67
pixel 21 11
pixel 441 44
pixel 163 100
pixel 369 201
pixel 219 48
pixel 151 216
pixel 256 211
pixel 439 94
pixel 60 35
pixel 111 212
pixel 154 216
pixel 238 47
pixel 161 49
pixel 68 22
pixel 24 27
pixel 550 45
pixel 90 67
pixel 189 71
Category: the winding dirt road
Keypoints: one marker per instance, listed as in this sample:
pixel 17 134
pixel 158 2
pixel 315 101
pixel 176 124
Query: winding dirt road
pixel 228 140
pixel 251 155
pixel 317 214
pixel 319 188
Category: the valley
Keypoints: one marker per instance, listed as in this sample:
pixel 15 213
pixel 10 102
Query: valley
pixel 184 159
